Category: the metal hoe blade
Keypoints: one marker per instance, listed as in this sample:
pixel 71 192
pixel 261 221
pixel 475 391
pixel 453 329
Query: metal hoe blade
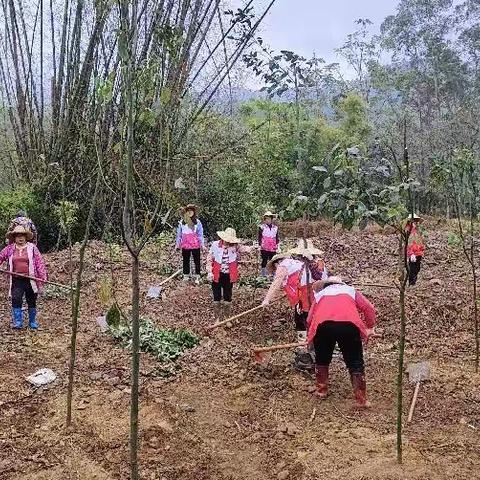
pixel 418 372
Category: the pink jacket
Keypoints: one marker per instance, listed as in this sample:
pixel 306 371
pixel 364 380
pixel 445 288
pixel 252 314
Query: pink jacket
pixel 340 303
pixel 36 266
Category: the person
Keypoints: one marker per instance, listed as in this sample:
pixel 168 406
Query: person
pixel 335 318
pixel 222 269
pixel 293 275
pixel 317 265
pixel 22 219
pixel 24 258
pixel 268 240
pixel 415 248
pixel 190 240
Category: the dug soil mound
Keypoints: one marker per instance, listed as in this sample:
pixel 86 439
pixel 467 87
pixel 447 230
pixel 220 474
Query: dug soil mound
pixel 224 417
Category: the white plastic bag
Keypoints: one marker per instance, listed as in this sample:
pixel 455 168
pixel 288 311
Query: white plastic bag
pixel 42 377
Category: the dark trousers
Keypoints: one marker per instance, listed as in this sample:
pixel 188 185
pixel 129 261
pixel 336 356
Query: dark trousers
pixel 347 335
pixel 300 318
pixel 266 257
pixel 22 287
pixel 222 288
pixel 186 260
pixel 414 269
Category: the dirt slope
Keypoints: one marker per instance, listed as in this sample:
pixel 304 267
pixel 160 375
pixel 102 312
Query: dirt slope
pixel 224 417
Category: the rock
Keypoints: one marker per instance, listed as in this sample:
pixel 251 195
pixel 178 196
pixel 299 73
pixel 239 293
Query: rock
pixel 113 381
pixel 311 389
pixel 96 376
pixel 187 408
pixel 256 436
pixel 229 325
pixel 292 429
pixel 283 475
pixel 435 281
pixel 282 429
pixel 326 441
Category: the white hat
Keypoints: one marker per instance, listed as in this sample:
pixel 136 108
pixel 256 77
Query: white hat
pixel 229 235
pixel 302 250
pixel 276 258
pixel 312 249
pixel 414 217
pixel 317 286
pixel 268 213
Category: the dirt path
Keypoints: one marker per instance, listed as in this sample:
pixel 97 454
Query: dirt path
pixel 224 417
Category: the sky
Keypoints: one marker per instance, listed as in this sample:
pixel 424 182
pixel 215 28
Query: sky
pixel 319 26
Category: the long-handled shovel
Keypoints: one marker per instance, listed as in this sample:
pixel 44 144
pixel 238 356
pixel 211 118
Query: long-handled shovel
pixel 67 287
pixel 259 352
pixel 417 373
pixel 239 315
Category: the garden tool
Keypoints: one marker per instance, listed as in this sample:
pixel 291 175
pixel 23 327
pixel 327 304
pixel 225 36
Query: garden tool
pixel 417 373
pixel 259 352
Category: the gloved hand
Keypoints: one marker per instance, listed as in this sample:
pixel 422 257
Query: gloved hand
pixel 413 258
pixel 210 276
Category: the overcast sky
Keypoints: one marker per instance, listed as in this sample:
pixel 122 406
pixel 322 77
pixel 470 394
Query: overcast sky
pixel 320 26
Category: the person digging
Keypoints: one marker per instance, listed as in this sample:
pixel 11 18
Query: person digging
pixel 336 318
pixel 293 275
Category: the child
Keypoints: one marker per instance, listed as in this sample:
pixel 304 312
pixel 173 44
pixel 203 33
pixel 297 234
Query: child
pixel 415 249
pixel 222 269
pixel 190 239
pixel 22 220
pixel 268 240
pixel 24 259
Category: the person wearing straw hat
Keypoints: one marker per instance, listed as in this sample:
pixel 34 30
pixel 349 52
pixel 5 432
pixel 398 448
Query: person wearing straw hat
pixel 415 247
pixel 23 258
pixel 336 318
pixel 22 219
pixel 293 275
pixel 268 240
pixel 190 240
pixel 222 269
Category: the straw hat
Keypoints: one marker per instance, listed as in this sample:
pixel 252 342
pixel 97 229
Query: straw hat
pixel 312 249
pixel 275 259
pixel 20 230
pixel 414 217
pixel 268 213
pixel 229 235
pixel 301 250
pixel 332 280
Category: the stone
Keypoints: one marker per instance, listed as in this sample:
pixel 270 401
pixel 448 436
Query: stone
pixel 283 475
pixel 292 429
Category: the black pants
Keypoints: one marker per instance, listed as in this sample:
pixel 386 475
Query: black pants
pixel 348 337
pixel 223 286
pixel 300 318
pixel 266 257
pixel 186 260
pixel 414 268
pixel 22 287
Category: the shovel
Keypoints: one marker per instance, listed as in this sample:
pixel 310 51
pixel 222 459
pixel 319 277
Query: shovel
pixel 259 352
pixel 417 373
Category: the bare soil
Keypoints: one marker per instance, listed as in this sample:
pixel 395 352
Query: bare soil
pixel 223 417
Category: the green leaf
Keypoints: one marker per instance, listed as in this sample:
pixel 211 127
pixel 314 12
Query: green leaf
pixel 113 316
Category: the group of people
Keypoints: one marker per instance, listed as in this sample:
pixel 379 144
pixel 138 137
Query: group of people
pixel 327 311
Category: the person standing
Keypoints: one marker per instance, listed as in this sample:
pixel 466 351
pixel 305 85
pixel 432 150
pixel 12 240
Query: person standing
pixel 415 248
pixel 23 258
pixel 190 240
pixel 222 269
pixel 268 240
pixel 335 318
pixel 22 219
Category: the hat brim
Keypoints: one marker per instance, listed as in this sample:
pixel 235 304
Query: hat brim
pixel 227 238
pixel 302 252
pixel 28 235
pixel 276 258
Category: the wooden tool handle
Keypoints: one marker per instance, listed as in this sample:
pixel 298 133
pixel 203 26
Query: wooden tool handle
pixel 240 315
pixel 39 280
pixel 282 346
pixel 414 401
pixel 163 282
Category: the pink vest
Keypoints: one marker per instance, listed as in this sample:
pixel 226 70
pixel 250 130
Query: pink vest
pixel 190 239
pixel 269 237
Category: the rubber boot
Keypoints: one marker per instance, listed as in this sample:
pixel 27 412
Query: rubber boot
pixel 17 314
pixel 321 378
pixel 360 389
pixel 217 311
pixel 263 272
pixel 227 312
pixel 186 277
pixel 32 318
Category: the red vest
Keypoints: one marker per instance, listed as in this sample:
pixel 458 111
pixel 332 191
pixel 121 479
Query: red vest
pixel 217 249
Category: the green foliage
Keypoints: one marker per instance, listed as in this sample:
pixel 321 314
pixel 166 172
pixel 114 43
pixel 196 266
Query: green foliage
pixel 454 240
pixel 113 317
pixel 165 345
pixel 66 213
pixel 254 281
pixel 54 292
